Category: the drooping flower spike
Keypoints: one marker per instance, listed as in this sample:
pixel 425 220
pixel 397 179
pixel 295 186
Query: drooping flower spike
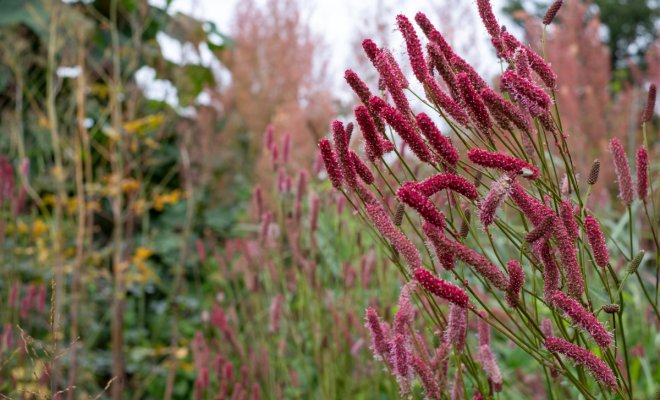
pixel 375 144
pixel 441 288
pixel 582 356
pixel 455 183
pixel 331 164
pixel 503 162
pixel 582 318
pixel 442 146
pixel 516 281
pixel 409 195
pixel 493 200
pixel 476 108
pixel 384 225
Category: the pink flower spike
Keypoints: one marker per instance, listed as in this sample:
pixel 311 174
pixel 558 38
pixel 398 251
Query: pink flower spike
pixel 622 171
pixel 522 63
pixel 649 109
pixel 516 281
pixel 481 264
pixel 530 97
pixel 401 358
pixel 379 343
pixel 441 288
pixel 375 144
pixel 533 209
pixel 582 318
pixel 405 313
pixel 582 356
pixel 433 35
pixel 503 162
pixel 552 12
pixel 403 127
pixel 444 68
pixel 371 50
pixel 426 377
pixel 331 165
pixel 455 183
pixel 596 241
pixel 542 69
pixel 462 66
pixel 446 103
pixel 389 75
pixel 495 197
pixel 440 144
pixel 396 69
pixel 358 86
pixel 488 18
pixel 501 109
pixel 361 168
pixel 567 254
pixel 408 194
pixel 384 225
pixel 642 173
pixel 414 48
pixel 551 276
pixel 475 106
pixel 437 238
pixel 456 327
pixel 341 146
pixel 489 365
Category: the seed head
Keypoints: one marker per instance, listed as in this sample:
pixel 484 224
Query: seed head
pixel 593 173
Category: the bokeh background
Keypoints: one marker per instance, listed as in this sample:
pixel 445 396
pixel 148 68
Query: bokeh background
pixel 166 228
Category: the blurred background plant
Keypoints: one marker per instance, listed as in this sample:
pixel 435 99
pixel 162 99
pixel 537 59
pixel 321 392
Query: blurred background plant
pixel 134 255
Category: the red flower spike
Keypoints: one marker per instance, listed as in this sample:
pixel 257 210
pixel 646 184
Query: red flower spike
pixel 647 114
pixel 413 198
pixel 441 288
pixel 455 183
pixel 516 281
pixel 582 356
pixel 552 12
pixel 426 378
pixel 475 106
pixel 437 238
pixel 642 173
pixel 596 241
pixel 442 65
pixel 502 109
pixel 331 164
pixel 361 168
pixel 341 146
pixel 542 69
pixel 433 35
pixel 375 145
pixel 436 95
pixel 503 162
pixel 530 97
pixel 407 133
pixel 582 318
pixel 622 171
pixel 440 143
pixel 456 327
pixel 414 47
pixel 488 18
pixel 389 75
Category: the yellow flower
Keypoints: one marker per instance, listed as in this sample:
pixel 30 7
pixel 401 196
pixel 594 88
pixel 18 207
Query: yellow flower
pixel 39 227
pixel 141 254
pixel 130 185
pixel 71 205
pixel 161 200
pixel 22 227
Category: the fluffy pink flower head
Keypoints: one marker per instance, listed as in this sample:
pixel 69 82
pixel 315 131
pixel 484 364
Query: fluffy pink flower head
pixel 437 238
pixel 375 145
pixel 451 107
pixel 489 366
pixel 403 127
pixel 530 97
pixel 516 281
pixel 533 209
pixel 361 168
pixel 331 164
pixel 647 114
pixel 409 195
pixel 456 327
pixel 405 313
pixel 401 361
pixel 488 18
pixel 495 197
pixel 596 241
pixel 379 342
pixel 622 171
pixel 455 183
pixel 581 356
pixel 503 111
pixel 384 225
pixel 414 47
pixel 503 162
pixel 473 103
pixel 441 288
pixel 440 144
pixel 642 173
pixel 427 378
pixel 582 318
